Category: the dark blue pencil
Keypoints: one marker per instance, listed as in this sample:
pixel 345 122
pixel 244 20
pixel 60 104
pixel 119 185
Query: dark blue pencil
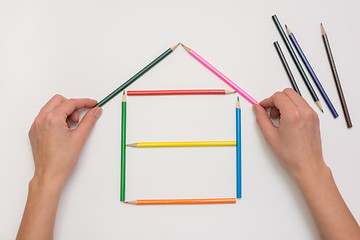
pixel 238 149
pixel 312 73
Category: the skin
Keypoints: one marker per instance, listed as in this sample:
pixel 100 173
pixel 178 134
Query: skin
pixel 56 149
pixel 296 143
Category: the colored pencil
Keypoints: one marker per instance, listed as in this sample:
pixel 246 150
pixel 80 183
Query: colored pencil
pixel 182 201
pixel 311 71
pixel 136 76
pixel 183 144
pixel 336 77
pixel 123 148
pixel 179 92
pixel 238 150
pixel 287 68
pixel 220 75
pixel 297 62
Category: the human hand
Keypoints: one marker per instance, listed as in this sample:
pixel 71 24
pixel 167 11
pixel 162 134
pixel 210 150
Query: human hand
pixel 56 147
pixel 296 142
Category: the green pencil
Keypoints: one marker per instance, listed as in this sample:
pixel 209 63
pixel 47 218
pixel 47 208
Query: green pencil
pixel 123 148
pixel 136 76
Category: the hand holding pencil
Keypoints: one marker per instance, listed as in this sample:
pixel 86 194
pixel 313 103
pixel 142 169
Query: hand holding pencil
pixel 296 142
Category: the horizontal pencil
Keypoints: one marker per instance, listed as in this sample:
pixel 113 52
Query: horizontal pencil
pixel 182 201
pixel 336 77
pixel 312 73
pixel 297 62
pixel 136 76
pixel 179 92
pixel 220 75
pixel 183 144
pixel 287 68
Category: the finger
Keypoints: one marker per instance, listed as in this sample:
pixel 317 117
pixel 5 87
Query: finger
pixel 87 123
pixel 74 116
pixel 280 101
pixel 274 113
pixel 69 106
pixel 295 98
pixel 53 103
pixel 264 122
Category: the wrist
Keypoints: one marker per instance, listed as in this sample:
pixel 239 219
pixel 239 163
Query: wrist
pixel 313 176
pixel 42 183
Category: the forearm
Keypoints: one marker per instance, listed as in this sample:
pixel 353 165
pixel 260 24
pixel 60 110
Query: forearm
pixel 40 210
pixel 332 216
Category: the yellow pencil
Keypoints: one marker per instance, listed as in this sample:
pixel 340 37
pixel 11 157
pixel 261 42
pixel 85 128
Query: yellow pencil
pixel 183 144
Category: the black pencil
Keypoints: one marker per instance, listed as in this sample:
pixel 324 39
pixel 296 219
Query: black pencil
pixel 297 62
pixel 336 77
pixel 287 68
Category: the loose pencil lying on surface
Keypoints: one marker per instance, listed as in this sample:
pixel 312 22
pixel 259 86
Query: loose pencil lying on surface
pixel 287 68
pixel 136 76
pixel 238 150
pixel 336 77
pixel 183 144
pixel 179 92
pixel 123 148
pixel 297 62
pixel 312 73
pixel 220 75
pixel 182 201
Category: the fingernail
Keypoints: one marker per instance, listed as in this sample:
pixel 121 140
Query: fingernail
pixel 98 112
pixel 254 108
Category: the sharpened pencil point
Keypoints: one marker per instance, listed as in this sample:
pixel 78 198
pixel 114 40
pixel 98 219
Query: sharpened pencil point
pixel 174 47
pixel 322 29
pixel 186 48
pixel 132 145
pixel 288 29
pixel 319 105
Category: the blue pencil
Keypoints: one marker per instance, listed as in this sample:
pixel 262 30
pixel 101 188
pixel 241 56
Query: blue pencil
pixel 238 149
pixel 312 73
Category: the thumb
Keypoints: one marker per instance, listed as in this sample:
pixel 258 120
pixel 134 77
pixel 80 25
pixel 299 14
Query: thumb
pixel 87 123
pixel 264 122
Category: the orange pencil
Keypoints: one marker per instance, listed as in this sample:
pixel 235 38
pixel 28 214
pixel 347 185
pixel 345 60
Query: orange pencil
pixel 182 201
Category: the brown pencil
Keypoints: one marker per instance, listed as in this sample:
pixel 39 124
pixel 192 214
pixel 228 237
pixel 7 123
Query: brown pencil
pixel 336 77
pixel 182 201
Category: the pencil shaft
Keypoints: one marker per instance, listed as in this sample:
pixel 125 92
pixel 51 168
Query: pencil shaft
pixel 287 68
pixel 294 57
pixel 313 75
pixel 123 151
pixel 337 81
pixel 186 144
pixel 176 92
pixel 238 154
pixel 134 78
pixel 223 77
pixel 186 201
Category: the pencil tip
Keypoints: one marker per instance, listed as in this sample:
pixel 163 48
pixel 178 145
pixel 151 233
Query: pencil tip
pixel 238 98
pixel 174 47
pixel 322 29
pixel 285 26
pixel 186 48
pixel 125 202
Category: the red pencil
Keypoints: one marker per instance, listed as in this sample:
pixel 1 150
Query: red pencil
pixel 179 92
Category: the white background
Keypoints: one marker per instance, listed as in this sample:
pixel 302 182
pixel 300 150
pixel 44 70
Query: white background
pixel 88 48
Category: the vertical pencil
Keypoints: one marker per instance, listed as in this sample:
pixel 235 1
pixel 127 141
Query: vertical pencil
pixel 123 148
pixel 238 150
pixel 312 73
pixel 220 75
pixel 336 77
pixel 136 76
pixel 297 62
pixel 287 68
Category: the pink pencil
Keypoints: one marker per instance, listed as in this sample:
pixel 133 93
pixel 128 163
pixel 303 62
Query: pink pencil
pixel 220 75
